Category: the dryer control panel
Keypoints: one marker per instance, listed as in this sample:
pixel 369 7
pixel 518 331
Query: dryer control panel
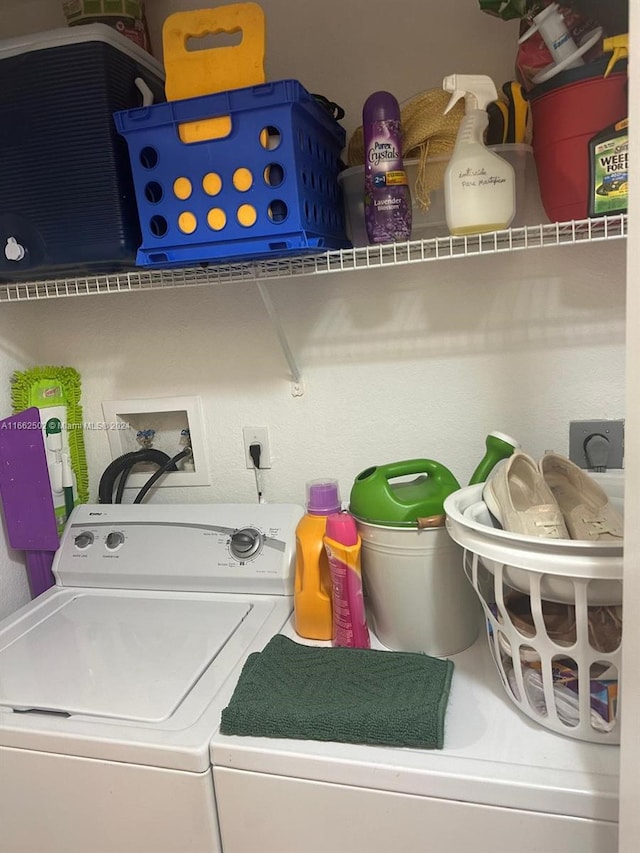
pixel 190 547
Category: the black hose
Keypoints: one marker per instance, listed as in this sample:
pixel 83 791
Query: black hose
pixel 122 466
pixel 122 482
pixel 169 465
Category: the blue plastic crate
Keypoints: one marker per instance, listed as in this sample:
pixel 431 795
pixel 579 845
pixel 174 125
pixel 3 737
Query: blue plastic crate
pixel 268 188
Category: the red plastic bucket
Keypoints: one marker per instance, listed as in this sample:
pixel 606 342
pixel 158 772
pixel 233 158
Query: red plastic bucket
pixel 565 117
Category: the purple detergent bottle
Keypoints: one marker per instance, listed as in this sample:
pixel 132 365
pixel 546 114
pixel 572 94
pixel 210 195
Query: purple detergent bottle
pixel 387 199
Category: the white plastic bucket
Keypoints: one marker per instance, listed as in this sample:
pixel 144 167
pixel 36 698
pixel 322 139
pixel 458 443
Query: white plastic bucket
pixel 418 596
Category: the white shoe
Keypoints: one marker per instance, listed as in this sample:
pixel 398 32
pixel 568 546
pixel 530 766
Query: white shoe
pixel 517 495
pixel 585 506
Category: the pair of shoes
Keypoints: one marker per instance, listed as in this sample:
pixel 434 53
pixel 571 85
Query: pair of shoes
pixel 554 499
pixel 585 506
pixel 518 497
pixel 604 622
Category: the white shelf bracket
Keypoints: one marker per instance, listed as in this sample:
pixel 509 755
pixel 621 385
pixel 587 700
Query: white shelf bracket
pixel 297 385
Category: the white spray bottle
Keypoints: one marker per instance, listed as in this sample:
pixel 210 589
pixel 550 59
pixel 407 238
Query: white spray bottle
pixel 479 185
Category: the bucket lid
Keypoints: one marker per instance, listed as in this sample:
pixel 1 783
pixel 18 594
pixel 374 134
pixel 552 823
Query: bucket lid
pixel 66 36
pixel 577 75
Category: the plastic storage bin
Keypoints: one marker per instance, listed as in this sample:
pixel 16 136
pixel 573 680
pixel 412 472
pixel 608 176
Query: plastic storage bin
pixel 432 222
pixel 553 615
pixel 263 184
pixel 67 203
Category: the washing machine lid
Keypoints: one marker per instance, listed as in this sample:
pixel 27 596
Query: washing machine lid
pixel 134 676
pixel 116 657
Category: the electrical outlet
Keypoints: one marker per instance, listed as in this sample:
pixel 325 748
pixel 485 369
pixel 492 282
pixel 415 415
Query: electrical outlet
pixel 257 435
pixel 581 431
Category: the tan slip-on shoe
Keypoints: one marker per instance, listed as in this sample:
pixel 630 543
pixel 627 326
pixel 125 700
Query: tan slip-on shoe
pixel 517 495
pixel 585 505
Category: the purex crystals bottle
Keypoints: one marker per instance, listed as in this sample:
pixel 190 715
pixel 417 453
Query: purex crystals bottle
pixel 387 199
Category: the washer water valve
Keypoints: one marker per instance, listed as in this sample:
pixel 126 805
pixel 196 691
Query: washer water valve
pixel 145 437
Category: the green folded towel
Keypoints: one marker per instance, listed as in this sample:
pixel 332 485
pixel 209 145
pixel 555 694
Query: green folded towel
pixel 340 694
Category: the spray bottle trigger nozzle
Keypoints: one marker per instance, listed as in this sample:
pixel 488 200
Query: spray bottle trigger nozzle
pixel 478 90
pixel 453 100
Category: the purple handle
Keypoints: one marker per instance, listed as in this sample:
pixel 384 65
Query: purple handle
pixel 39 571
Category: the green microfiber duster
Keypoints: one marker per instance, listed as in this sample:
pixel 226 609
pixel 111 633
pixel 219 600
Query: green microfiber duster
pixel 340 694
pixel 55 392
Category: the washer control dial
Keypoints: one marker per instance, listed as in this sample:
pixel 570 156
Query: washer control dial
pixel 84 539
pixel 114 540
pixel 246 542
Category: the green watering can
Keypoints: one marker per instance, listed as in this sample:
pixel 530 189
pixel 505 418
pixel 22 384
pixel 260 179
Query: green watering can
pixel 416 503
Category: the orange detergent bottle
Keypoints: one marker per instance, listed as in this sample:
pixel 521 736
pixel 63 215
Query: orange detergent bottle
pixel 313 616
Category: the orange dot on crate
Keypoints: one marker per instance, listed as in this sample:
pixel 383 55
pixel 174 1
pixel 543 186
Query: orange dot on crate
pixel 187 222
pixel 212 183
pixel 216 218
pixel 242 179
pixel 182 188
pixel 247 215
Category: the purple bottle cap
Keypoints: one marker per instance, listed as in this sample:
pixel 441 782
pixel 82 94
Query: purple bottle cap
pixel 381 106
pixel 341 527
pixel 323 497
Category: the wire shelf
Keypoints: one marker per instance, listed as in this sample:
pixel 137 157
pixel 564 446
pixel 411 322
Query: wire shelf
pixel 368 257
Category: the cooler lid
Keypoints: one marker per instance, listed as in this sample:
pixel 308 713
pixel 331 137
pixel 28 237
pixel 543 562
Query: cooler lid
pixel 64 36
pixel 112 656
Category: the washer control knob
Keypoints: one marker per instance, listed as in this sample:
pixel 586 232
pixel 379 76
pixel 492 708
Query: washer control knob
pixel 114 539
pixel 246 543
pixel 84 539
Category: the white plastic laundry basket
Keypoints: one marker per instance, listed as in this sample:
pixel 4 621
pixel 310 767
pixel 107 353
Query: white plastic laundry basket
pixel 553 613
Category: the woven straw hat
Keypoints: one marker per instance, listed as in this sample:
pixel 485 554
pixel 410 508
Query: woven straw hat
pixel 427 132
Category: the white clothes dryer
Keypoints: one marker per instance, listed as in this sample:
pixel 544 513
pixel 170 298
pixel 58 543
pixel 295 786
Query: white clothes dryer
pixel 113 681
pixel 501 784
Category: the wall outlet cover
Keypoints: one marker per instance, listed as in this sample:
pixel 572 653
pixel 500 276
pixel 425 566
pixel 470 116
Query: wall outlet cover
pixel 581 431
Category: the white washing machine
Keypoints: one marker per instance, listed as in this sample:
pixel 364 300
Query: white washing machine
pixel 113 681
pixel 502 784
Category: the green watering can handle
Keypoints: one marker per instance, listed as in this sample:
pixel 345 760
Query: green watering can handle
pixel 416 466
pixel 374 498
pixel 381 474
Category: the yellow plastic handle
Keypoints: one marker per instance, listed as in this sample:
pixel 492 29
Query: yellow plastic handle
pixel 619 45
pixel 191 73
pixel 517 112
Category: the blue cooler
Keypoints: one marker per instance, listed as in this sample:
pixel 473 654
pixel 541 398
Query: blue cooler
pixel 67 201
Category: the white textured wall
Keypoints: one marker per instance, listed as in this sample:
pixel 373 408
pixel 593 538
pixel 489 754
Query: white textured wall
pixel 417 361
pixel 412 362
